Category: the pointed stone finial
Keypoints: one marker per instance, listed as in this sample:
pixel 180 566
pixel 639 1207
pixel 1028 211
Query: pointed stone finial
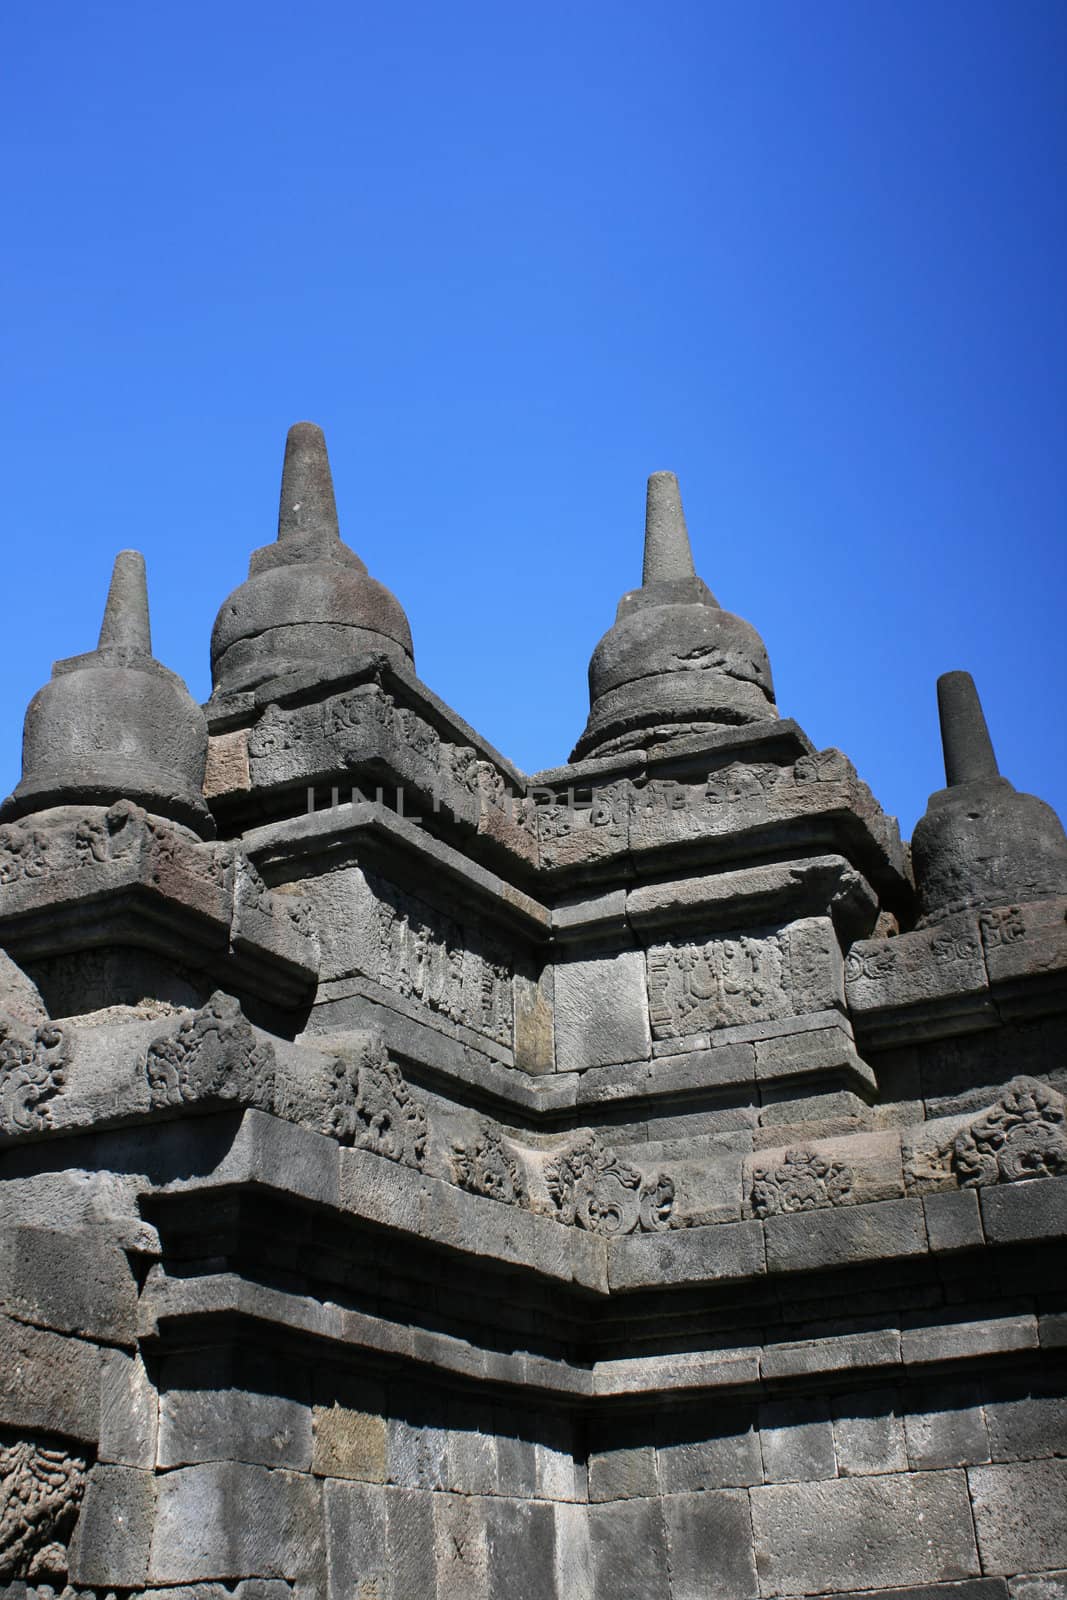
pixel 307 508
pixel 309 603
pixel 667 553
pixel 968 749
pixel 126 624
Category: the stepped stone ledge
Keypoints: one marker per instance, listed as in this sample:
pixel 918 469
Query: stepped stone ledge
pixel 644 1179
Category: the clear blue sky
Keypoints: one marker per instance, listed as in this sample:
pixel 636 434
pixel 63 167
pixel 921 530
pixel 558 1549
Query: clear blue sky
pixel 811 256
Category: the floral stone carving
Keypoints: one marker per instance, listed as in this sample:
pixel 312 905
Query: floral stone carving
pixel 803 1181
pixel 1022 1136
pixel 32 1072
pixel 373 1108
pixel 594 1187
pixel 486 1166
pixel 40 1491
pixel 215 1055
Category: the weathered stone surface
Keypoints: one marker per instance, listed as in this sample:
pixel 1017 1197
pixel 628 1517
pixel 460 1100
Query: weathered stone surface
pixel 718 1449
pixel 461 1547
pixel 874 1532
pixel 841 1234
pixel 111 1541
pixel 629 1542
pixel 232 1407
pixel 357 1545
pixel 601 1010
pixel 945 1427
pixel 709 1546
pixel 1025 1420
pixel 868 1433
pixel 48 1383
pixel 797 1441
pixel 225 1516
pixel 73 1282
pixel 1020 1513
pixel 129 1411
pixel 521 1542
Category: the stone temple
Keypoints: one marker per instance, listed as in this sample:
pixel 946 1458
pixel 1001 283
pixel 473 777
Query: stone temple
pixel 641 1180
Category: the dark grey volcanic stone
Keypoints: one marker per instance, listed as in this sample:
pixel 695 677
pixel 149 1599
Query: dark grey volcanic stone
pixel 981 842
pixel 309 601
pixel 115 723
pixel 674 657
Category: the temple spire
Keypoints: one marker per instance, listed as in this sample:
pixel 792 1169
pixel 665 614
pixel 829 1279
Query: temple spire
pixel 667 553
pixel 968 749
pixel 126 621
pixel 307 508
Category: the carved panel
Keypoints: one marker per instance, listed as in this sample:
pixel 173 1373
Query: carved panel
pixel 215 1055
pixel 751 977
pixel 485 1165
pixel 425 956
pixel 803 1181
pixel 1022 1136
pixel 373 1108
pixel 32 1073
pixel 41 1488
pixel 594 1187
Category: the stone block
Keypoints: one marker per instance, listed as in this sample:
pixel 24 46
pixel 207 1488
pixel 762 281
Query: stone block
pixel 349 1442
pixel 797 1441
pixel 916 968
pixel 233 1406
pixel 863 1533
pixel 554 1466
pixel 516 1459
pixel 690 1255
pixel 472 1461
pixel 813 1053
pixel 1015 1212
pixel 1025 1420
pixel 226 1517
pixel 956 1341
pixel 110 1546
pixel 521 1538
pixel 944 1427
pixel 713 1449
pixel 1020 1512
pixel 48 1382
pixel 953 1221
pixel 623 1474
pixel 574 1554
pixel 709 1546
pixel 129 1411
pixel 629 1542
pixel 77 1282
pixel 840 1234
pixel 357 1548
pixel 601 1010
pixel 868 1433
pixel 461 1548
pixel 416 1441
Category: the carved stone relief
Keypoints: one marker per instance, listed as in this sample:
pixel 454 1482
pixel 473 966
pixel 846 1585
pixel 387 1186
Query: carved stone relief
pixel 592 1185
pixel 1022 1136
pixel 373 1108
pixel 430 958
pixel 485 1165
pixel 41 1487
pixel 720 983
pixel 215 1055
pixel 803 1180
pixel 32 1073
